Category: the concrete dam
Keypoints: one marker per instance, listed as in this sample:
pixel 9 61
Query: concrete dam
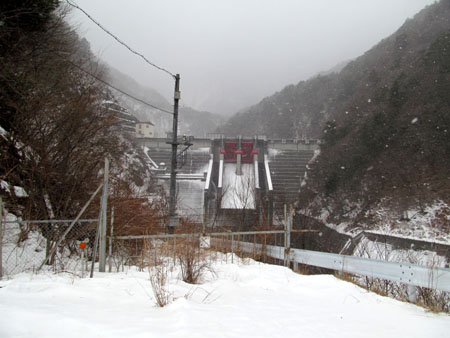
pixel 233 182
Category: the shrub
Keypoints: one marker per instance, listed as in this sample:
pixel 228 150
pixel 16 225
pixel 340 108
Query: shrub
pixel 192 261
pixel 158 280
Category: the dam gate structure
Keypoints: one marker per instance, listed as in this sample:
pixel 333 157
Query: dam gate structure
pixel 237 183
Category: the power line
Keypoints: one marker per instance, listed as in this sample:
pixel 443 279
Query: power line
pixel 119 90
pixel 118 40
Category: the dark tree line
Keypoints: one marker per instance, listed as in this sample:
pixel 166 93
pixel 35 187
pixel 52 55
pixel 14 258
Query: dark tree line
pixel 58 130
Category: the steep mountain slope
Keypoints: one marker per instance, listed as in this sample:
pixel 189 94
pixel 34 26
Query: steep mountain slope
pixel 303 109
pixel 389 147
pixel 385 121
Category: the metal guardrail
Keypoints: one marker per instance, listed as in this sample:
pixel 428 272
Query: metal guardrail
pixel 411 274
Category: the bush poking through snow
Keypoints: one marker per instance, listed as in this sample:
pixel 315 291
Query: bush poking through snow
pixel 434 300
pixel 159 282
pixel 192 261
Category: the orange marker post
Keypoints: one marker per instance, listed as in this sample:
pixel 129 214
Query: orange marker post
pixel 82 247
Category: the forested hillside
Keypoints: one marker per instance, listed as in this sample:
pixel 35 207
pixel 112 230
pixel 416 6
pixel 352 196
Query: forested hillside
pixel 55 128
pixel 384 120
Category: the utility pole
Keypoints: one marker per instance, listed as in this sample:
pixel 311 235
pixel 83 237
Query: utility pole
pixel 103 219
pixel 173 168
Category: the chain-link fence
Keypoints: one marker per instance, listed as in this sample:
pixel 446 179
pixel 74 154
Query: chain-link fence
pixel 148 250
pixel 25 245
pixel 30 246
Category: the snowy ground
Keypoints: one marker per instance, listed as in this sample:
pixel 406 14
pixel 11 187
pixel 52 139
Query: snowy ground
pixel 239 300
pixel 430 224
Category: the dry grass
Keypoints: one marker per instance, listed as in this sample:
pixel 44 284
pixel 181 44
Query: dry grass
pixel 433 300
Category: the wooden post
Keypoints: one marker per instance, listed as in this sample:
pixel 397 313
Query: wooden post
pixel 232 248
pixel 110 240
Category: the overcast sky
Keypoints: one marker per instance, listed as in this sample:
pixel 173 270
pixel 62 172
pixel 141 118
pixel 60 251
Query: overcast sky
pixel 232 53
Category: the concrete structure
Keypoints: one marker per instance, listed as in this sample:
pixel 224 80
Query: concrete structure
pixel 246 181
pixel 145 130
pixel 124 119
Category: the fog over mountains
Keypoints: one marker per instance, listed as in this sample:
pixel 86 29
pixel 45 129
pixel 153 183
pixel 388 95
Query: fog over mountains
pixel 384 120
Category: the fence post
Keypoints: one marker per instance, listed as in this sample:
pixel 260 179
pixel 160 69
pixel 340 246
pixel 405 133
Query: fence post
pixel 174 251
pixel 232 248
pixel 110 240
pixel 265 249
pixel 1 237
pixel 412 293
pixel 288 235
pixel 82 263
pixel 94 250
pixel 102 238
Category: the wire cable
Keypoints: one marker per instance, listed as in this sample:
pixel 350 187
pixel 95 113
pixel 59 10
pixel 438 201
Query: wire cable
pixel 119 90
pixel 118 40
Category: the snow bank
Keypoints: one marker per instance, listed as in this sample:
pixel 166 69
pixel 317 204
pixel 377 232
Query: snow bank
pixel 251 300
pixel 17 255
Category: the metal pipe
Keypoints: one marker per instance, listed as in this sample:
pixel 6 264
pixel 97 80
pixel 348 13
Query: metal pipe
pixel 110 241
pixel 90 220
